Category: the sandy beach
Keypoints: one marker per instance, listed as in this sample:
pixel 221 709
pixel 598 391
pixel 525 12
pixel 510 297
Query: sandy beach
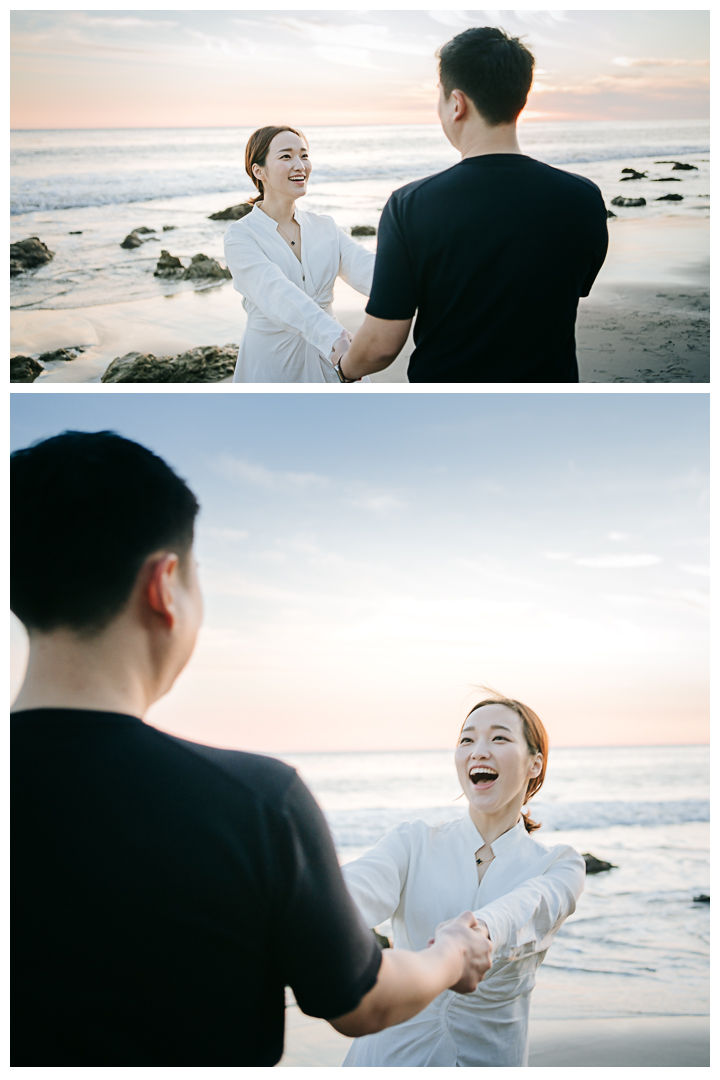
pixel 646 320
pixel 633 1042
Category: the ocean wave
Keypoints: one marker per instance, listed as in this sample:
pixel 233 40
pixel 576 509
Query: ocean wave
pixel 358 828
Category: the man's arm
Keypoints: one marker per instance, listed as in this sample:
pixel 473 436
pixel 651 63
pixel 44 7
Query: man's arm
pixel 408 981
pixel 375 346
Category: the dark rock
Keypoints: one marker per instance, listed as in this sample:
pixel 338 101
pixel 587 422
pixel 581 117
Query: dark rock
pixel 667 180
pixel 143 230
pixel 634 174
pixel 363 230
pixel 75 232
pixel 169 266
pixel 596 866
pixel 60 354
pixel 670 198
pixel 28 254
pixel 201 266
pixel 610 214
pixel 208 363
pixel 169 228
pixel 24 369
pixel 686 168
pixel 382 941
pixel 232 213
pixel 620 201
pixel 703 898
pixel 132 240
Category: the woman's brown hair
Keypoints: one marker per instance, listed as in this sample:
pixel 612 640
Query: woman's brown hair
pixel 256 153
pixel 536 738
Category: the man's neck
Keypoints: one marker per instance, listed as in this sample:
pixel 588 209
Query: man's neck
pixel 478 139
pixel 66 671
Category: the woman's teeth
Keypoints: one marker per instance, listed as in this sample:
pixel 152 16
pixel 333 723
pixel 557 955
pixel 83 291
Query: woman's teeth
pixel 481 775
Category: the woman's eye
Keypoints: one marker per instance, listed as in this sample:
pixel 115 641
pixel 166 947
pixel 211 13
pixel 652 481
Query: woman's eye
pixel 503 737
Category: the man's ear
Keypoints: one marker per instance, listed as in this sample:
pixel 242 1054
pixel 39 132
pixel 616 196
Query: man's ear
pixel 160 589
pixel 461 105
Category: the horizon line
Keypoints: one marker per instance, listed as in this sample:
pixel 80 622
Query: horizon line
pixel 436 749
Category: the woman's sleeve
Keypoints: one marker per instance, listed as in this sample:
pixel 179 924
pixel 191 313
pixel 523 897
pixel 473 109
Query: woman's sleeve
pixel 376 880
pixel 262 281
pixel 356 264
pixel 525 920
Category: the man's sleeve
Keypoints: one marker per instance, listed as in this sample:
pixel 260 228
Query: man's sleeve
pixel 599 242
pixel 393 294
pixel 327 956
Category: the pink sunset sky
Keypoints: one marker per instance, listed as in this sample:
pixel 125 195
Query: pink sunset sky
pixel 166 68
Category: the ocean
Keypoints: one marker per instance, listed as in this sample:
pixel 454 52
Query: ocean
pixel 81 192
pixel 638 943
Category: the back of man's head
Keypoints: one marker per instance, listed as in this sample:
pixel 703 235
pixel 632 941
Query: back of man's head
pixel 86 510
pixel 493 69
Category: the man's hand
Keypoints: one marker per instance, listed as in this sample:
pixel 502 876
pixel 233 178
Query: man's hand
pixel 465 930
pixel 340 347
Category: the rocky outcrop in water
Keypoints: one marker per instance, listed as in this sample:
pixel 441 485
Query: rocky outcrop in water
pixel 633 174
pixel 168 266
pixel 670 198
pixel 135 238
pixel 677 165
pixel 232 213
pixel 363 230
pixel 61 354
pixel 596 866
pixel 201 266
pixel 28 255
pixel 208 363
pixel 667 180
pixel 703 898
pixel 24 369
pixel 610 213
pixel 620 201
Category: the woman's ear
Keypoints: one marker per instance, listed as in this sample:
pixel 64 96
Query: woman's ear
pixel 536 767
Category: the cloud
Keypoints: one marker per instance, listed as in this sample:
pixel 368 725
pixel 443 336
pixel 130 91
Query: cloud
pixel 556 555
pixel 262 477
pixel 703 571
pixel 378 503
pixel 629 61
pixel 618 536
pixel 619 562
pixel 227 534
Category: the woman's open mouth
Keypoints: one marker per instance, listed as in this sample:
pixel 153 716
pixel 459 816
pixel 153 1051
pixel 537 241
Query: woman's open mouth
pixel 483 776
pixel 297 179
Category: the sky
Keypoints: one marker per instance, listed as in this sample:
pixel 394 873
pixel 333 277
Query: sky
pixel 166 68
pixel 368 561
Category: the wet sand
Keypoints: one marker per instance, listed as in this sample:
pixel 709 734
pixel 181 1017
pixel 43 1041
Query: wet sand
pixel 646 1041
pixel 646 320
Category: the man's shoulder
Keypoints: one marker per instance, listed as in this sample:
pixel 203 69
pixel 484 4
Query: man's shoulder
pixel 262 777
pixel 427 185
pixel 574 182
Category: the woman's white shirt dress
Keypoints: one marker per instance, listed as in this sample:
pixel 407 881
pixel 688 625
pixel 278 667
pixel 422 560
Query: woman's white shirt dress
pixel 291 328
pixel 421 875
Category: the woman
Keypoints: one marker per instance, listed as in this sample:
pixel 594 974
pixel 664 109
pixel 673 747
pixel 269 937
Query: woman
pixel 284 261
pixel 521 892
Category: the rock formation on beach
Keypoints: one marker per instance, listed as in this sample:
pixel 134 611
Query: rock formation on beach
pixel 610 213
pixel 232 213
pixel 363 230
pixel 24 369
pixel 677 165
pixel 28 255
pixel 168 266
pixel 201 266
pixel 169 228
pixel 596 866
pixel 61 354
pixel 634 174
pixel 133 239
pixel 207 363
pixel 670 198
pixel 620 201
pixel 667 180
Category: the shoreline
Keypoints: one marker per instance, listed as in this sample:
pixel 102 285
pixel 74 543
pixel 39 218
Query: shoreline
pixel 646 319
pixel 629 1041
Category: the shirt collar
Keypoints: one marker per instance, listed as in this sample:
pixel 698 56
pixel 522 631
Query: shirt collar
pixel 503 845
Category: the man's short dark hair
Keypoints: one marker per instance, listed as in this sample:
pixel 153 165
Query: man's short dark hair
pixel 492 68
pixel 86 510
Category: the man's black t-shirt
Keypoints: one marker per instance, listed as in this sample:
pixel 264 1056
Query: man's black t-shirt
pixel 163 895
pixel 493 254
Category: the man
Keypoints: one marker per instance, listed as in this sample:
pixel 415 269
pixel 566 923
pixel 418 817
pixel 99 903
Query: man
pixel 164 892
pixel 493 253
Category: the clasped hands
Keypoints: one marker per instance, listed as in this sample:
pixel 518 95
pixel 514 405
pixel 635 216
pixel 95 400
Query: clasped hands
pixel 465 931
pixel 339 349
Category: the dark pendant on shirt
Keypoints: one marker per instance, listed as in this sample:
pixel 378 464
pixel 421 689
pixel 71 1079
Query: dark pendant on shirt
pixel 292 243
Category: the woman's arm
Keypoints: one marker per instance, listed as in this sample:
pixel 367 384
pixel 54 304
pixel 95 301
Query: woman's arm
pixel 376 880
pixel 263 282
pixel 525 920
pixel 356 264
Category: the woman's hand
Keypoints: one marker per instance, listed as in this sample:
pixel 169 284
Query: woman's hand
pixel 466 931
pixel 340 347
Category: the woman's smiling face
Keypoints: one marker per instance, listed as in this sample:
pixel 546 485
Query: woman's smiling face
pixel 287 166
pixel 493 759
